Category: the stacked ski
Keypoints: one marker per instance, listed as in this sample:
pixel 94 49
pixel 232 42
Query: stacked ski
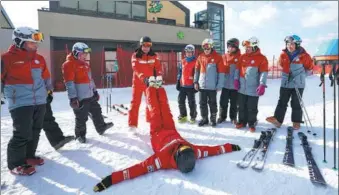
pixel 288 156
pixel 314 172
pixel 121 109
pixel 260 160
pixel 261 147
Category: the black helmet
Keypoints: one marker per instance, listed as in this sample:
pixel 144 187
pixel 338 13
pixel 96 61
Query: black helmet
pixel 145 39
pixel 185 159
pixel 234 42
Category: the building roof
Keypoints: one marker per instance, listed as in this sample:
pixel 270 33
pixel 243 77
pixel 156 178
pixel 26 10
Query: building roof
pixel 3 11
pixel 328 48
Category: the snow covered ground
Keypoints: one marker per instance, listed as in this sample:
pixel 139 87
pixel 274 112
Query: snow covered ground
pixel 78 167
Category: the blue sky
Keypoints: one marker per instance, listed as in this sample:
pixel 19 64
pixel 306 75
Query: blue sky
pixel 270 22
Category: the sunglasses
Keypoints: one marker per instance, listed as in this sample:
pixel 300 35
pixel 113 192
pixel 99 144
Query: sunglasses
pixel 147 44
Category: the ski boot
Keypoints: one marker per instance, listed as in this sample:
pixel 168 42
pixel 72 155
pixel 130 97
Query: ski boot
pixel 81 139
pixel 64 141
pixel 273 121
pixel 221 120
pixel 296 126
pixel 105 128
pixel 24 169
pixel 213 120
pixel 192 120
pixel 252 128
pixel 35 161
pixel 182 119
pixel 203 122
pixel 239 125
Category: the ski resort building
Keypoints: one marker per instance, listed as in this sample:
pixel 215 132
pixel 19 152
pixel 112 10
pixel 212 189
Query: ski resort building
pixel 5 30
pixel 113 30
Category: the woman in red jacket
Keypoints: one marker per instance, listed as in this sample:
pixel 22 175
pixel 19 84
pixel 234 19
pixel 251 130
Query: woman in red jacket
pixel 145 64
pixel 171 151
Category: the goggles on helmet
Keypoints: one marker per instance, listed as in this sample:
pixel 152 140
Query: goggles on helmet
pixel 36 37
pixel 246 44
pixel 147 44
pixel 207 46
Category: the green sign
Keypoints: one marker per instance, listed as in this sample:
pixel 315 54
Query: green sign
pixel 180 35
pixel 155 7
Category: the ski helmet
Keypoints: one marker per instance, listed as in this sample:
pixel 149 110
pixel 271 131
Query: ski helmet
pixel 234 42
pixel 185 159
pixel 80 47
pixel 207 44
pixel 22 34
pixel 251 42
pixel 293 39
pixel 190 48
pixel 146 41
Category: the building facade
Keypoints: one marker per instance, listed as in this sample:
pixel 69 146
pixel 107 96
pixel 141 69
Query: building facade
pixel 213 18
pixel 107 26
pixel 6 30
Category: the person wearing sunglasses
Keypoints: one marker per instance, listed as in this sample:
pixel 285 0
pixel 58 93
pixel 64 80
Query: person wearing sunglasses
pixel 296 64
pixel 230 89
pixel 208 79
pixel 147 70
pixel 253 70
pixel 171 151
pixel 185 85
pixel 25 81
pixel 82 91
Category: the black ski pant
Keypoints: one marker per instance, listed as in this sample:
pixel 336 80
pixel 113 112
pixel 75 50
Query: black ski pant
pixel 88 105
pixel 228 96
pixel 27 125
pixel 190 94
pixel 51 127
pixel 284 97
pixel 210 97
pixel 248 109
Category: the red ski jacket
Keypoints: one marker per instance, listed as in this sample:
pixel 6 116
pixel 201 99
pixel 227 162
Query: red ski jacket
pixel 165 141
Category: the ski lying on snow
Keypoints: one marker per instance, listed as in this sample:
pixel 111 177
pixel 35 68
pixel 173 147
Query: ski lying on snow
pixel 119 109
pixel 260 159
pixel 314 172
pixel 246 161
pixel 288 156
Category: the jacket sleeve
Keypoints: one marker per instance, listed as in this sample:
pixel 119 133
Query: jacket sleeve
pixel 221 69
pixel 92 83
pixel 205 151
pixel 237 69
pixel 263 69
pixel 158 66
pixel 69 75
pixel 179 71
pixel 197 70
pixel 46 75
pixel 3 75
pixel 308 63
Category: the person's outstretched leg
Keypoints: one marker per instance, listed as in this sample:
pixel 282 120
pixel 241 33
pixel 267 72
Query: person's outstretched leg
pixel 133 114
pixel 154 110
pixel 166 115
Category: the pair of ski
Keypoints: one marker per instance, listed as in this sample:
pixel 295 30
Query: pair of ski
pixel 121 109
pixel 259 151
pixel 314 172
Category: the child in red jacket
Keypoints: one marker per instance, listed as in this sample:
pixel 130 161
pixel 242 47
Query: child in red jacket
pixel 171 151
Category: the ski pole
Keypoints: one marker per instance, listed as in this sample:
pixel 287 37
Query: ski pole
pixel 322 79
pixel 331 77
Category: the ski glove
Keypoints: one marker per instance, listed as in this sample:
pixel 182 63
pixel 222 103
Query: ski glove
pixel 178 85
pixel 235 147
pixel 74 102
pixel 49 96
pixel 261 90
pixel 236 84
pixel 96 96
pixel 105 183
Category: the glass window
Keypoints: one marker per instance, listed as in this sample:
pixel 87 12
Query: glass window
pixel 106 6
pixel 123 9
pixel 166 21
pixel 69 3
pixel 109 66
pixel 140 3
pixel 88 5
pixel 110 55
pixel 139 11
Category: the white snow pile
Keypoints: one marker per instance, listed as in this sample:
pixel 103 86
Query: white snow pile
pixel 76 168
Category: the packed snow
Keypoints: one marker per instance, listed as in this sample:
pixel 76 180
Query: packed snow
pixel 76 168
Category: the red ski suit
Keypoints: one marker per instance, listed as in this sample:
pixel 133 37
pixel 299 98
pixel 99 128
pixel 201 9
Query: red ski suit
pixel 165 140
pixel 143 67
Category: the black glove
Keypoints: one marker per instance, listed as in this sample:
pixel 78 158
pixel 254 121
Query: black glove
pixel 74 102
pixel 96 96
pixel 235 147
pixel 105 183
pixel 49 97
pixel 178 85
pixel 146 81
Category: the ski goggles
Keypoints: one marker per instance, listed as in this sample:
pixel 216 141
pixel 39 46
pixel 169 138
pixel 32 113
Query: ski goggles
pixel 207 46
pixel 87 50
pixel 147 44
pixel 246 44
pixel 38 37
